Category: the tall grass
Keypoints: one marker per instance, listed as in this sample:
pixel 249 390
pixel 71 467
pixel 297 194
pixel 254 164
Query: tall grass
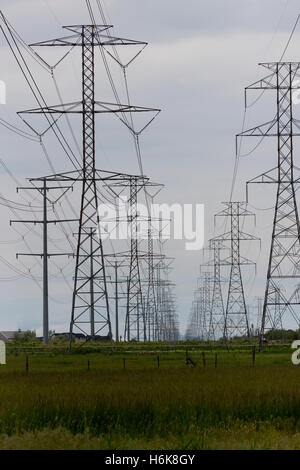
pixel 143 406
pixel 149 402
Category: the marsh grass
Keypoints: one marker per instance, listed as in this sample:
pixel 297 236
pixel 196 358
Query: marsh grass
pixel 246 436
pixel 62 404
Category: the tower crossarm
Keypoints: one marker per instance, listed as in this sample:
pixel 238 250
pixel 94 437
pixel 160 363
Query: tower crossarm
pixel 77 39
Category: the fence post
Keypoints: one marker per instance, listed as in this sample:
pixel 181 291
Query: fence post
pixel 158 362
pixel 216 360
pixel 203 359
pixel 253 355
pixel 27 364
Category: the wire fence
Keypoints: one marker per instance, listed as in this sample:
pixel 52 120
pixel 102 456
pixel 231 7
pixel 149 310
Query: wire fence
pixel 94 358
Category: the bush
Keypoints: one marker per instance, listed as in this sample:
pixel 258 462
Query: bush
pixel 26 336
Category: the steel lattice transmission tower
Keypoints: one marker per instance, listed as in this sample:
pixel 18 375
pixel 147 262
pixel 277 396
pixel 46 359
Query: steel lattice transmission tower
pixel 151 302
pixel 259 306
pixel 205 318
pixel 85 315
pixel 166 322
pixel 217 315
pixel 194 329
pixel 197 314
pixel 236 317
pixel 201 314
pixel 200 318
pixel 135 322
pixel 283 268
pixel 138 321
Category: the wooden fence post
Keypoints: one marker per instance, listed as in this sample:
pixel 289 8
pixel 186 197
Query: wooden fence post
pixel 203 359
pixel 27 364
pixel 253 355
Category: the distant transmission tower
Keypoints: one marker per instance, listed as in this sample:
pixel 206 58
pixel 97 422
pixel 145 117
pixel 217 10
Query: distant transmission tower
pixel 217 314
pixel 151 297
pixel 200 320
pixel 166 324
pixel 135 323
pixel 284 267
pixel 206 311
pixel 259 306
pixel 200 326
pixel 236 317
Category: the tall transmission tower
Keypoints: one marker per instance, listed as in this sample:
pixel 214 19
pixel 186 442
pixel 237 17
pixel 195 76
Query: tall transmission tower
pixel 283 268
pixel 88 37
pixel 236 317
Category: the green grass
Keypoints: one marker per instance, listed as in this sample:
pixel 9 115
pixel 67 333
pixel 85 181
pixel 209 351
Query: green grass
pixel 61 404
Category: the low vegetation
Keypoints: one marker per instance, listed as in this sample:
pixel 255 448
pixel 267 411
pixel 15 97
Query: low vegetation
pixel 133 400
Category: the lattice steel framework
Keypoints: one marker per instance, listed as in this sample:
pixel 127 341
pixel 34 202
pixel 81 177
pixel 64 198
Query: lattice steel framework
pixel 135 322
pixel 236 316
pixel 141 293
pixel 283 267
pixel 259 307
pixel 193 330
pixel 203 305
pixel 200 317
pixel 166 324
pixel 217 314
pixel 88 37
pixel 151 308
pixel 90 303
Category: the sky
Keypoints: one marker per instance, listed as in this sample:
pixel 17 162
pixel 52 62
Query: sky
pixel 201 55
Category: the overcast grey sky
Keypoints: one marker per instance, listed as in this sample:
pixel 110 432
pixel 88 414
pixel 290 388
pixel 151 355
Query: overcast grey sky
pixel 201 55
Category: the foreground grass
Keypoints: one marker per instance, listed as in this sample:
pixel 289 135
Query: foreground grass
pixel 243 437
pixel 62 405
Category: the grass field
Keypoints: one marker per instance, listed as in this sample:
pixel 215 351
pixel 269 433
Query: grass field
pixel 88 400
